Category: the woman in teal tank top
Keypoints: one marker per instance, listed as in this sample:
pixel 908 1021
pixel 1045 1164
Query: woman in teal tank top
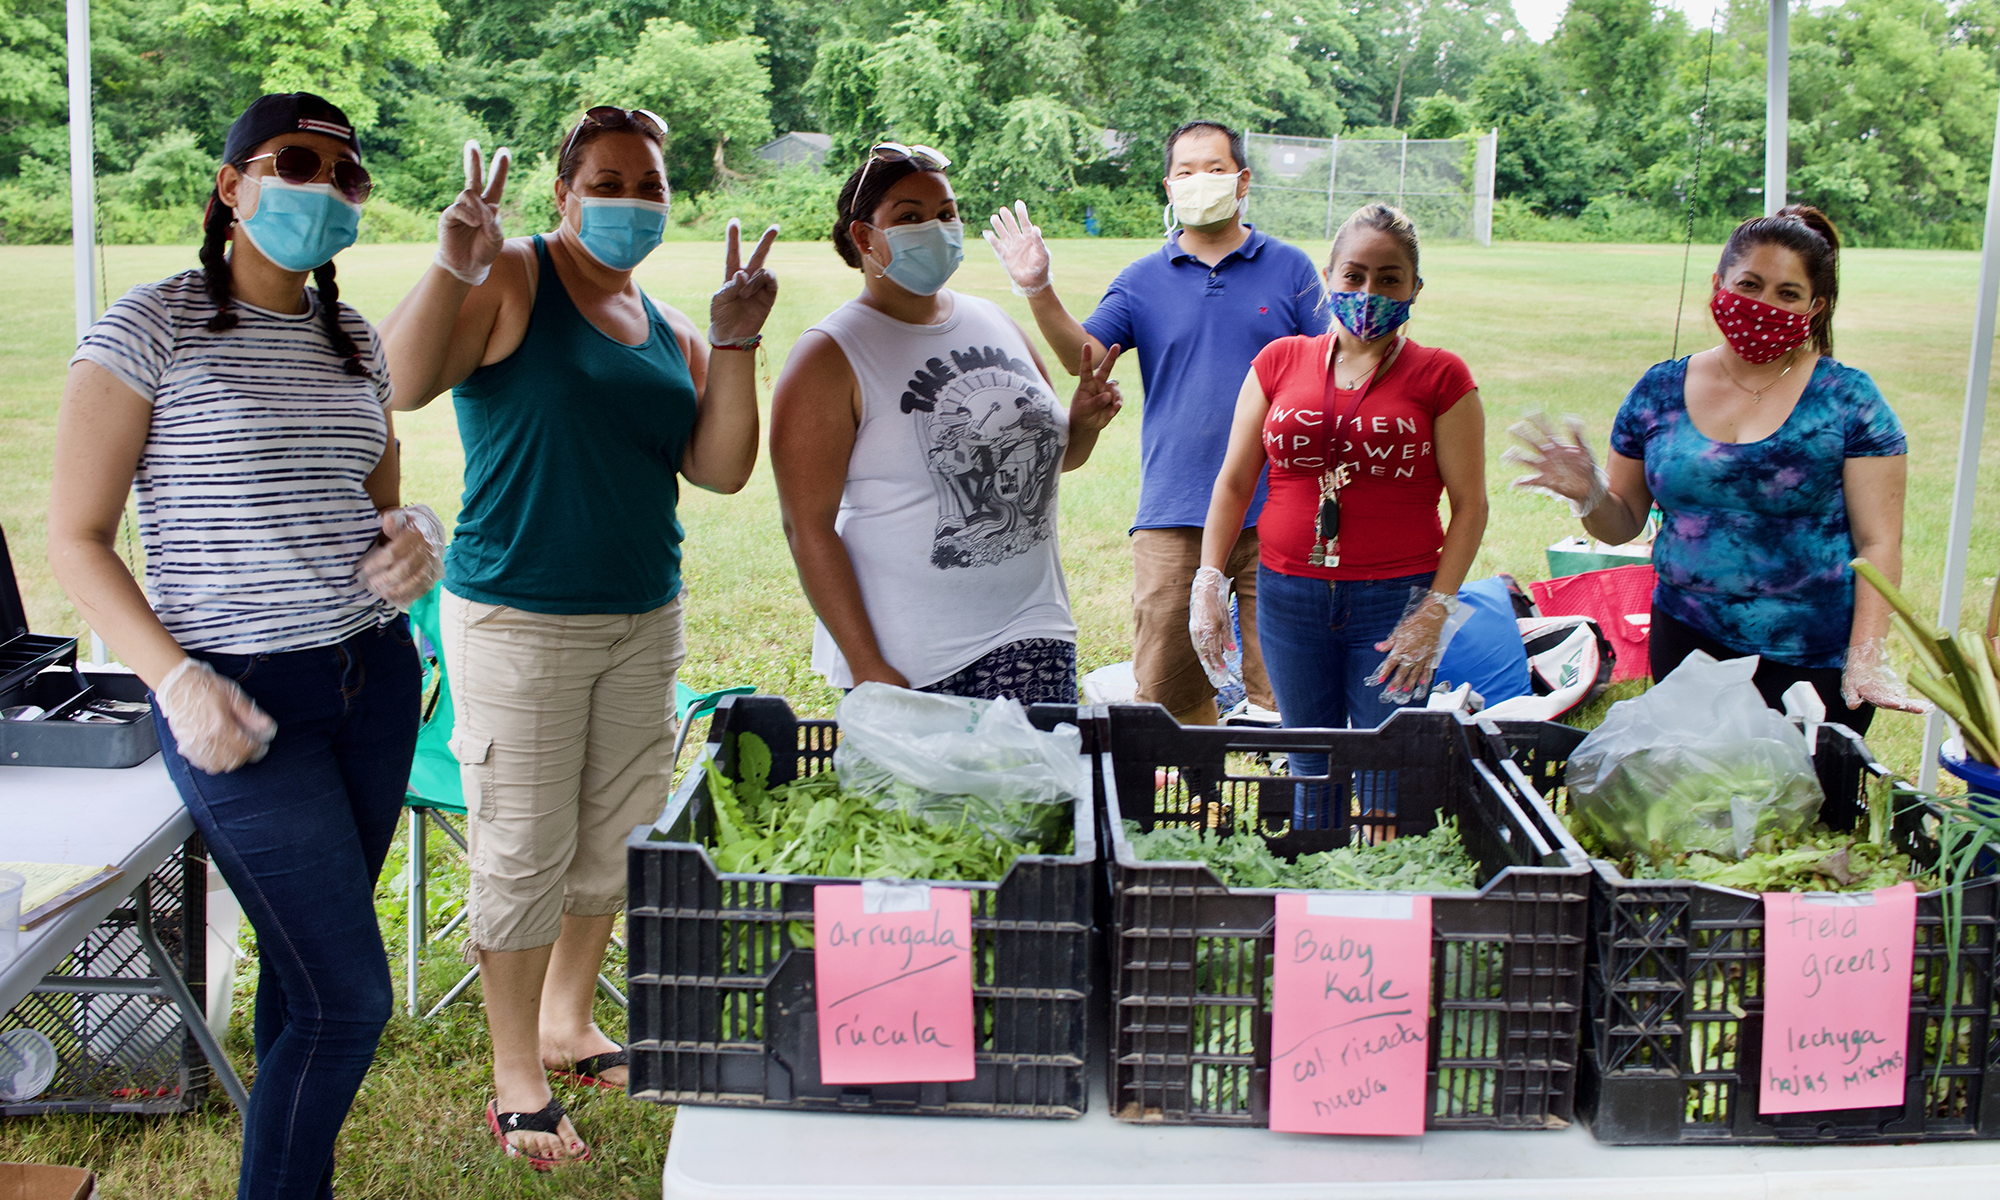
pixel 582 404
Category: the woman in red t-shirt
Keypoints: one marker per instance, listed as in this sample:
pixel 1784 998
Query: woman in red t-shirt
pixel 1363 430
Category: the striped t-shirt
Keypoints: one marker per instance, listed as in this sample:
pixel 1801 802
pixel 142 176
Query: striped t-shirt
pixel 252 508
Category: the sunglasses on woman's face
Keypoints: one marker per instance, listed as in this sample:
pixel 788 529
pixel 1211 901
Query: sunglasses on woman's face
pixel 923 156
pixel 303 164
pixel 613 117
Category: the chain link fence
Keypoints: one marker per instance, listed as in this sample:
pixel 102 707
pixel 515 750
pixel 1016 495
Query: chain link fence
pixel 1301 189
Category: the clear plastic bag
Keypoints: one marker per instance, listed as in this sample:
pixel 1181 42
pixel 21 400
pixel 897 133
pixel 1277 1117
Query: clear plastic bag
pixel 1700 762
pixel 950 759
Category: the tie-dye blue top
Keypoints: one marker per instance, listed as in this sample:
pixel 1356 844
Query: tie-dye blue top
pixel 1754 547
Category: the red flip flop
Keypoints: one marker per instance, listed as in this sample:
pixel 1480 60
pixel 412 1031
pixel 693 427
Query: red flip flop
pixel 548 1120
pixel 587 1070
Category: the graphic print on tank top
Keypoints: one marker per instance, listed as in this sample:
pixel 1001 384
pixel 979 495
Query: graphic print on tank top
pixel 989 435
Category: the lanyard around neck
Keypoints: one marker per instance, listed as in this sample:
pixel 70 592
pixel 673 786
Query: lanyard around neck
pixel 1333 389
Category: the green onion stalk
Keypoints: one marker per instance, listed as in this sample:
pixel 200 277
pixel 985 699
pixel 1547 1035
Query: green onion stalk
pixel 1960 674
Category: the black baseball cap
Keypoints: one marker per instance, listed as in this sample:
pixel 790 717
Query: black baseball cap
pixel 287 112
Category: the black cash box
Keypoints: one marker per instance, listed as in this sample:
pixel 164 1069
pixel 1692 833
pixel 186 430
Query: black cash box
pixel 88 718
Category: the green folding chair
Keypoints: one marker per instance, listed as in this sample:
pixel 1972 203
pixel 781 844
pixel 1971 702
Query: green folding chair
pixel 690 704
pixel 436 793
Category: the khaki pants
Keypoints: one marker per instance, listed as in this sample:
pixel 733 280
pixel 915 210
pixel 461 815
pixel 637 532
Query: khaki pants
pixel 1163 660
pixel 564 735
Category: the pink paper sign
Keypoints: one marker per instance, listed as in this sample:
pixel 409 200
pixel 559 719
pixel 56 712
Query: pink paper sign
pixel 1837 999
pixel 1350 1014
pixel 892 965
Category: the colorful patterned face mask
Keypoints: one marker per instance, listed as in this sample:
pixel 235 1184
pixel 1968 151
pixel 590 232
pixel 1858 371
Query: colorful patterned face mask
pixel 1369 316
pixel 1757 331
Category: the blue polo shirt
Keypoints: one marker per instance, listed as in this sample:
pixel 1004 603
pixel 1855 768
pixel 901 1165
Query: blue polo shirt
pixel 1195 330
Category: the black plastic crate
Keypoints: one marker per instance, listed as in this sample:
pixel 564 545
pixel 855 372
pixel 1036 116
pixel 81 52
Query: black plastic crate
pixel 1191 959
pixel 1676 986
pixel 63 743
pixel 127 1053
pixel 722 1001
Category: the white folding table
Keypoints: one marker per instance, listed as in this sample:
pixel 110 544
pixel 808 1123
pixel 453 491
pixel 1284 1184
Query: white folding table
pixel 132 819
pixel 755 1154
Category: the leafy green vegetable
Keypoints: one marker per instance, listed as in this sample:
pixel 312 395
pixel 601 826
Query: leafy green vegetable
pixel 1667 801
pixel 1433 862
pixel 812 827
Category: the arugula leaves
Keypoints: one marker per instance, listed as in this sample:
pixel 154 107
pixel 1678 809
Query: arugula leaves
pixel 812 827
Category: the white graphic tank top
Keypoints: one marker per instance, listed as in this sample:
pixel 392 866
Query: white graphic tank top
pixel 949 512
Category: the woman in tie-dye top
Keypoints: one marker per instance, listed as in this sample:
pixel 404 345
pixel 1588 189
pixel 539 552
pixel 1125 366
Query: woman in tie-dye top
pixel 1773 465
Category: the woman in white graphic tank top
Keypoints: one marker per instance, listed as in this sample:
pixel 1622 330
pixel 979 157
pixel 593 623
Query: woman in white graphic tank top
pixel 917 442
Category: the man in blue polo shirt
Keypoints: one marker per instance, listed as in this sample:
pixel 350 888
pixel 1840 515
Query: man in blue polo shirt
pixel 1196 312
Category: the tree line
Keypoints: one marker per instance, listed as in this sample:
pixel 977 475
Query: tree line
pixel 1064 102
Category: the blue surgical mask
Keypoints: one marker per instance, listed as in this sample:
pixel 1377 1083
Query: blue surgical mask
pixel 300 226
pixel 1368 315
pixel 620 233
pixel 923 258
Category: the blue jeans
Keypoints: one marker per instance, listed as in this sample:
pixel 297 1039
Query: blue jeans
pixel 1318 638
pixel 300 838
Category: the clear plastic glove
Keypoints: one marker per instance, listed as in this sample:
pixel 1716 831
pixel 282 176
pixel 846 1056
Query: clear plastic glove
pixel 1017 243
pixel 1868 676
pixel 1565 470
pixel 408 560
pixel 1416 645
pixel 1208 623
pixel 215 724
pixel 469 237
pixel 737 310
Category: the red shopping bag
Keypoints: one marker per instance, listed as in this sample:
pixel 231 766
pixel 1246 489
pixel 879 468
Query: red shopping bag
pixel 1620 600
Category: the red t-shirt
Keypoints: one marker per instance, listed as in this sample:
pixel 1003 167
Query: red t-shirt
pixel 1389 524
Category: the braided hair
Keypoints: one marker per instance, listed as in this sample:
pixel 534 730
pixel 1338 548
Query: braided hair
pixel 216 223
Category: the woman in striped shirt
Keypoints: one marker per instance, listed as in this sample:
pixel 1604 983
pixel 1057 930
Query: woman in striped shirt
pixel 251 413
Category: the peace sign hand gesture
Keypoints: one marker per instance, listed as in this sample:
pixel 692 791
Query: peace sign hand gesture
pixel 1097 399
pixel 737 311
pixel 469 236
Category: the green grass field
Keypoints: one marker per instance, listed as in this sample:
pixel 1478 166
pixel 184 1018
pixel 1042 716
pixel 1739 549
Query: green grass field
pixel 1558 328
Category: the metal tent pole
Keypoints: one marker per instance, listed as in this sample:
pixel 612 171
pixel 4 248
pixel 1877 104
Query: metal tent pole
pixel 1958 543
pixel 82 193
pixel 1777 103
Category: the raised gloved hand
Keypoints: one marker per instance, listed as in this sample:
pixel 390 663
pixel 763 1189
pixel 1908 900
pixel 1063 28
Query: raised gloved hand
pixel 1565 470
pixel 1208 623
pixel 216 726
pixel 1017 243
pixel 408 560
pixel 469 237
pixel 1868 676
pixel 1416 645
pixel 737 310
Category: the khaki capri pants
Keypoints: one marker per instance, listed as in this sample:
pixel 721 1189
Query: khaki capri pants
pixel 564 739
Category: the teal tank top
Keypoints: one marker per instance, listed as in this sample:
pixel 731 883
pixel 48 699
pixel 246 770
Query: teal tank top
pixel 573 447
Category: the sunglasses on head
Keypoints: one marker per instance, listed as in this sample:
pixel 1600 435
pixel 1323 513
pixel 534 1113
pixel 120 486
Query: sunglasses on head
pixel 610 116
pixel 303 164
pixel 923 156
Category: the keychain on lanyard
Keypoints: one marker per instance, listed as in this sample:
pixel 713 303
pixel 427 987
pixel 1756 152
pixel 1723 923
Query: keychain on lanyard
pixel 1326 523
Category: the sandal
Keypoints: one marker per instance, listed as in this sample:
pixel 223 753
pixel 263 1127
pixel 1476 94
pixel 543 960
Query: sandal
pixel 546 1121
pixel 586 1070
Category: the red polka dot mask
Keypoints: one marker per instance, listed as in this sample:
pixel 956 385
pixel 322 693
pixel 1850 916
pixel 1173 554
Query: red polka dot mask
pixel 1757 331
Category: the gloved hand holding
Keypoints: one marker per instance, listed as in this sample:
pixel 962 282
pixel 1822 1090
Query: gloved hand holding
pixel 469 237
pixel 1017 243
pixel 1868 676
pixel 408 560
pixel 1208 623
pixel 1565 470
pixel 1415 645
pixel 215 724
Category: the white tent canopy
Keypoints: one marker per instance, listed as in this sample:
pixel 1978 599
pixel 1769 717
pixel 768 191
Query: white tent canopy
pixel 83 208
